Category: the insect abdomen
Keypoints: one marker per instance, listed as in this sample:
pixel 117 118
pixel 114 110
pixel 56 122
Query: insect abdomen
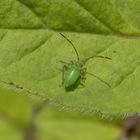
pixel 71 76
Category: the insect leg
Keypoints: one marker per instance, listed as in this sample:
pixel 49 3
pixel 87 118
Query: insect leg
pixel 96 56
pixel 99 78
pixel 82 84
pixel 61 61
pixel 83 72
pixel 63 70
pixel 72 62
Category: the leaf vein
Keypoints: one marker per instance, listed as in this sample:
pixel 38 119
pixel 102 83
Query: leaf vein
pixel 127 75
pixel 101 21
pixel 43 23
pixel 3 36
pixel 34 49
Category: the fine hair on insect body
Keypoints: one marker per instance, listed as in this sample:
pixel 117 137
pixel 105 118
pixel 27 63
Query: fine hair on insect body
pixel 73 72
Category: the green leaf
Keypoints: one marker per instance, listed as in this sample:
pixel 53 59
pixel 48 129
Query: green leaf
pixel 119 17
pixel 55 125
pixel 30 53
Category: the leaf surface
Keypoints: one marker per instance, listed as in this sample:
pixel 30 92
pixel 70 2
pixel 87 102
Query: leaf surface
pixel 30 52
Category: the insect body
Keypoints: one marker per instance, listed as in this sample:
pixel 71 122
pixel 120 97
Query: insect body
pixel 72 75
pixel 74 72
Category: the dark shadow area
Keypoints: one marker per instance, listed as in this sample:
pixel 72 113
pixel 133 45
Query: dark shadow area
pixel 131 128
pixel 74 86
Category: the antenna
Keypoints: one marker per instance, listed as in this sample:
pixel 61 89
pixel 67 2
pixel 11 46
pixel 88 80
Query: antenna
pixel 99 79
pixel 71 44
pixel 99 56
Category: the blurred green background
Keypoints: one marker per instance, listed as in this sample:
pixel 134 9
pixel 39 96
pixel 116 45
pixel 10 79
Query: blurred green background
pixel 22 118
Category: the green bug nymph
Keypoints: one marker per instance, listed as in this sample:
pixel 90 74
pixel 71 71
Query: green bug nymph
pixel 74 72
